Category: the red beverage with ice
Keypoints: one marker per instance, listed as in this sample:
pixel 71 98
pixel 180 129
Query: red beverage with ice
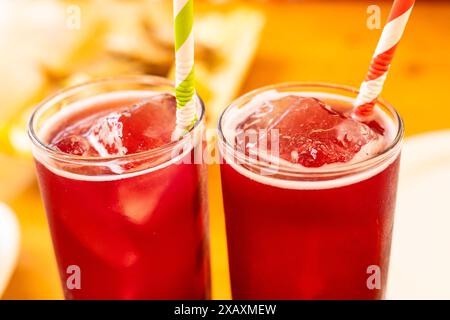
pixel 309 193
pixel 126 205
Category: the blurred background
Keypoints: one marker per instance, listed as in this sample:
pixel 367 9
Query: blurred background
pixel 240 45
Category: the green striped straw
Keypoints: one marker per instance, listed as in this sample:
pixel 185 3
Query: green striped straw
pixel 183 11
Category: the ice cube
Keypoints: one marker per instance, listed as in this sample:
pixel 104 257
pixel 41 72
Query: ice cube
pixel 143 126
pixel 106 136
pixel 148 124
pixel 311 133
pixel 74 144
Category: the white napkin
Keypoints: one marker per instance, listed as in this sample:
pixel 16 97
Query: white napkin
pixel 9 244
pixel 420 259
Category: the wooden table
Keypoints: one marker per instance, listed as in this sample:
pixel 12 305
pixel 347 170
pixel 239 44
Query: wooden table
pixel 306 41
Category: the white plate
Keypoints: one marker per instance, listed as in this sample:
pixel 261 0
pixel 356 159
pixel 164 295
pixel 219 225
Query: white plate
pixel 9 245
pixel 420 259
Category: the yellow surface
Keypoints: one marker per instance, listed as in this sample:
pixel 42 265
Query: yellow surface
pixel 326 42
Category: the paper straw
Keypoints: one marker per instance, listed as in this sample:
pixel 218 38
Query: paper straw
pixel 393 30
pixel 183 11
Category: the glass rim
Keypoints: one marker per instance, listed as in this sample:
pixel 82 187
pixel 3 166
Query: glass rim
pixel 59 95
pixel 300 171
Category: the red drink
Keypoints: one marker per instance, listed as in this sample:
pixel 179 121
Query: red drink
pixel 124 212
pixel 313 220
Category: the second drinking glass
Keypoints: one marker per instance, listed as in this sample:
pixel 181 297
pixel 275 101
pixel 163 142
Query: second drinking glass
pixel 309 193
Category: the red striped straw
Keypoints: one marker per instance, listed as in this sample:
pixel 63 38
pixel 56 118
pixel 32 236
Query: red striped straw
pixel 393 30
